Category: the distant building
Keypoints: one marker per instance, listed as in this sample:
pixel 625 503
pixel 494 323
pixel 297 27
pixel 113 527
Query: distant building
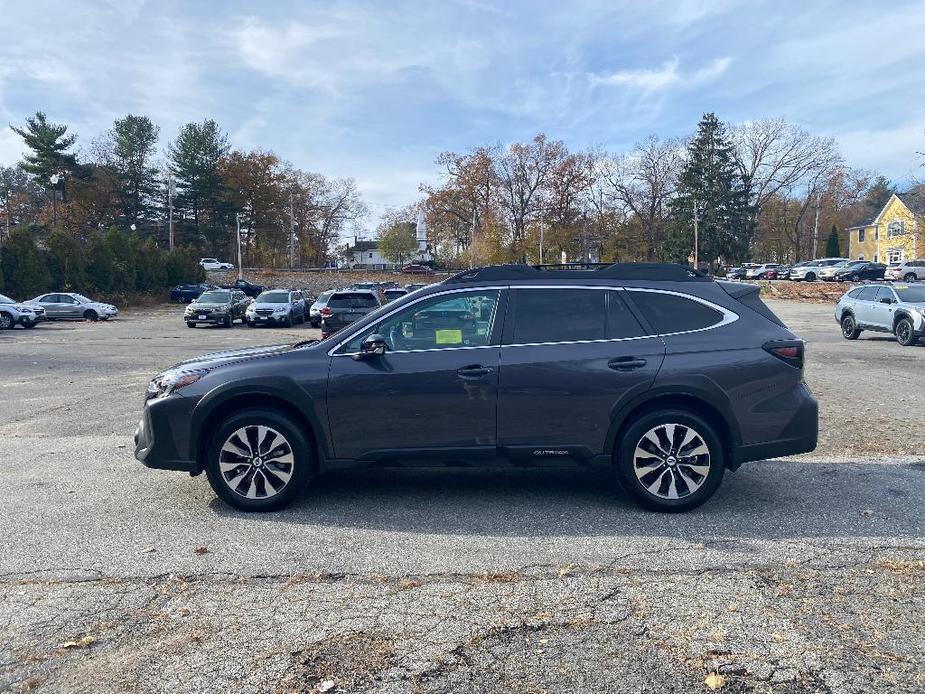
pixel 365 255
pixel 896 234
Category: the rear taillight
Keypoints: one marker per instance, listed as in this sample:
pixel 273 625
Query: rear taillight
pixel 325 311
pixel 790 351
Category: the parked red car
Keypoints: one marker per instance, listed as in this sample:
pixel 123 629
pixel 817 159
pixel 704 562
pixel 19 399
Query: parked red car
pixel 417 270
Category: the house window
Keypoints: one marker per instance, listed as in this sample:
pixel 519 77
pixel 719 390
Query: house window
pixel 877 234
pixel 861 256
pixel 876 258
pixel 861 235
pixel 370 255
pixel 894 255
pixel 896 228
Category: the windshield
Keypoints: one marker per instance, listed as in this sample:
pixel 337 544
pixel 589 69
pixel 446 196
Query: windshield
pixel 358 300
pixel 215 298
pixel 857 263
pixel 273 298
pixel 914 294
pixel 6 300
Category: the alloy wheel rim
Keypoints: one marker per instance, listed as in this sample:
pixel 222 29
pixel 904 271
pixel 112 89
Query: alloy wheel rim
pixel 5 321
pixel 902 331
pixel 256 462
pixel 848 326
pixel 671 461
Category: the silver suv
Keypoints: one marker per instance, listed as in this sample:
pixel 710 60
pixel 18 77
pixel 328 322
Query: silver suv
pixel 882 308
pixel 13 313
pixel 810 271
pixel 910 271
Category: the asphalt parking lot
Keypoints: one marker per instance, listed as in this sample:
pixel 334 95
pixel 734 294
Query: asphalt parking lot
pixel 801 575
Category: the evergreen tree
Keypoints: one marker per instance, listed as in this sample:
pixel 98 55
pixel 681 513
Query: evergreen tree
pixel 49 146
pixel 711 187
pixel 24 269
pixel 194 159
pixel 133 141
pixel 832 248
pixel 65 261
pixel 878 195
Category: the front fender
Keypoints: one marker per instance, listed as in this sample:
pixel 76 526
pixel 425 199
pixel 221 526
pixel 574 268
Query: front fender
pixel 281 388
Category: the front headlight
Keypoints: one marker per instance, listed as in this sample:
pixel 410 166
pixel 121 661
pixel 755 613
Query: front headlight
pixel 173 380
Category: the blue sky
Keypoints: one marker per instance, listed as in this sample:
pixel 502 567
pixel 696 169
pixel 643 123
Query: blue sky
pixel 375 90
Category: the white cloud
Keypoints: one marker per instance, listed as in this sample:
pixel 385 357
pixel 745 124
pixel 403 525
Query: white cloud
pixel 649 80
pixel 891 150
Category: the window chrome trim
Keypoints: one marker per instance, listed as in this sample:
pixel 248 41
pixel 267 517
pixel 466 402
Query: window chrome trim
pixel 728 317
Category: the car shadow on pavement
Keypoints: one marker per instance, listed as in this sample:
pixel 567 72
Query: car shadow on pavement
pixel 768 499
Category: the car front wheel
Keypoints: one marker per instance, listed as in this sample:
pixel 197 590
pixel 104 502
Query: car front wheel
pixel 259 460
pixel 6 321
pixel 670 460
pixel 905 332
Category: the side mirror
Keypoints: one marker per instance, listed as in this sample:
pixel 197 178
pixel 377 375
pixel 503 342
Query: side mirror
pixel 886 300
pixel 372 346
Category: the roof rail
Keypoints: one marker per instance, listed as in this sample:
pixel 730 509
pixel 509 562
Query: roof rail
pixel 666 272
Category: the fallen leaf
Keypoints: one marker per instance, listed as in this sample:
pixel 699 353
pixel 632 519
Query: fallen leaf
pixel 326 686
pixel 82 642
pixel 866 513
pixel 183 611
pixel 147 550
pixel 714 681
pixel 201 550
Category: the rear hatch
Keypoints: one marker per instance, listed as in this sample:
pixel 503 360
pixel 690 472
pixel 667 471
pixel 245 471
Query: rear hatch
pixel 347 307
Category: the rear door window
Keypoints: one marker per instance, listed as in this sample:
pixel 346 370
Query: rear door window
pixel 672 313
pixel 867 294
pixel 558 315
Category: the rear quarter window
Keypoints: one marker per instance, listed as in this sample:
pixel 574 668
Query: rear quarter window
pixel 672 313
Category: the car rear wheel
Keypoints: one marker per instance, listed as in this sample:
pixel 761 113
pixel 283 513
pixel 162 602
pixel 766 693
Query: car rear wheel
pixel 905 332
pixel 190 324
pixel 91 315
pixel 849 327
pixel 259 460
pixel 670 460
pixel 910 277
pixel 6 321
pixel 810 277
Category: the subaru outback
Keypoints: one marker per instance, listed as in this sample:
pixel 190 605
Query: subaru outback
pixel 882 308
pixel 655 371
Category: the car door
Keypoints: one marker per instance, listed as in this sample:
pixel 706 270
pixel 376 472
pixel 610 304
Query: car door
pixel 432 394
pixel 569 357
pixel 881 309
pixel 69 307
pixel 50 303
pixel 863 305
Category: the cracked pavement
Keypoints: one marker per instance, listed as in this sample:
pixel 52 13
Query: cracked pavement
pixel 801 575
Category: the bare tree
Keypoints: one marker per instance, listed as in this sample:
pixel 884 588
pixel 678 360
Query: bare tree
pixel 643 181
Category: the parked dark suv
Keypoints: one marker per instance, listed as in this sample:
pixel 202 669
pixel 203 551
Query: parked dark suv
pixel 347 306
pixel 654 370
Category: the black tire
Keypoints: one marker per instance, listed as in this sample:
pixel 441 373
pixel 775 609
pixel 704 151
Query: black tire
pixel 29 325
pixel 288 322
pixel 228 322
pixel 6 321
pixel 810 277
pixel 91 315
pixel 905 332
pixel 301 470
pixel 251 324
pixel 314 324
pixel 668 472
pixel 910 277
pixel 190 324
pixel 855 278
pixel 849 327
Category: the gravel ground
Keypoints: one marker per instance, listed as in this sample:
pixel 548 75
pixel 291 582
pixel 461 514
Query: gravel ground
pixel 802 575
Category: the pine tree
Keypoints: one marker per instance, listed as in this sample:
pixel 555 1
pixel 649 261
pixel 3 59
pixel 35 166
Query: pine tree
pixel 134 139
pixel 194 159
pixel 711 187
pixel 832 248
pixel 49 146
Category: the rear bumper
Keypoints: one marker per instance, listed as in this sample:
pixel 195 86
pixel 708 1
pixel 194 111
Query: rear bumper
pixel 159 442
pixel 800 435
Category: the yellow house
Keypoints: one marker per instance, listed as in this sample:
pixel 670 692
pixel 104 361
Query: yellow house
pixel 895 235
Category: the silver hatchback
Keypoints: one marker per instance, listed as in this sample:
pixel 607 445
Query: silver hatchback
pixel 898 309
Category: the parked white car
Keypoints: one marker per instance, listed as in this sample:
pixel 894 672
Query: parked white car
pixel 910 271
pixel 62 306
pixel 762 272
pixel 810 271
pixel 214 264
pixel 13 313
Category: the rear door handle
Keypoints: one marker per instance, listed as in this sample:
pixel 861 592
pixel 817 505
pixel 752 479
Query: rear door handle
pixel 626 363
pixel 473 371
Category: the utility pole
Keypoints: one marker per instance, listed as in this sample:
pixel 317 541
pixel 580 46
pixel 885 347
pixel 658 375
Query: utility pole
pixel 696 238
pixel 291 231
pixel 170 192
pixel 237 223
pixel 816 227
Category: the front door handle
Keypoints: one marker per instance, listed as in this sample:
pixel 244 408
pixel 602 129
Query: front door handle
pixel 473 371
pixel 626 363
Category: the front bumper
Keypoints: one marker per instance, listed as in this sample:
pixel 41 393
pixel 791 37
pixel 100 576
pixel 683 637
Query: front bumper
pixel 272 319
pixel 214 318
pixel 33 319
pixel 162 435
